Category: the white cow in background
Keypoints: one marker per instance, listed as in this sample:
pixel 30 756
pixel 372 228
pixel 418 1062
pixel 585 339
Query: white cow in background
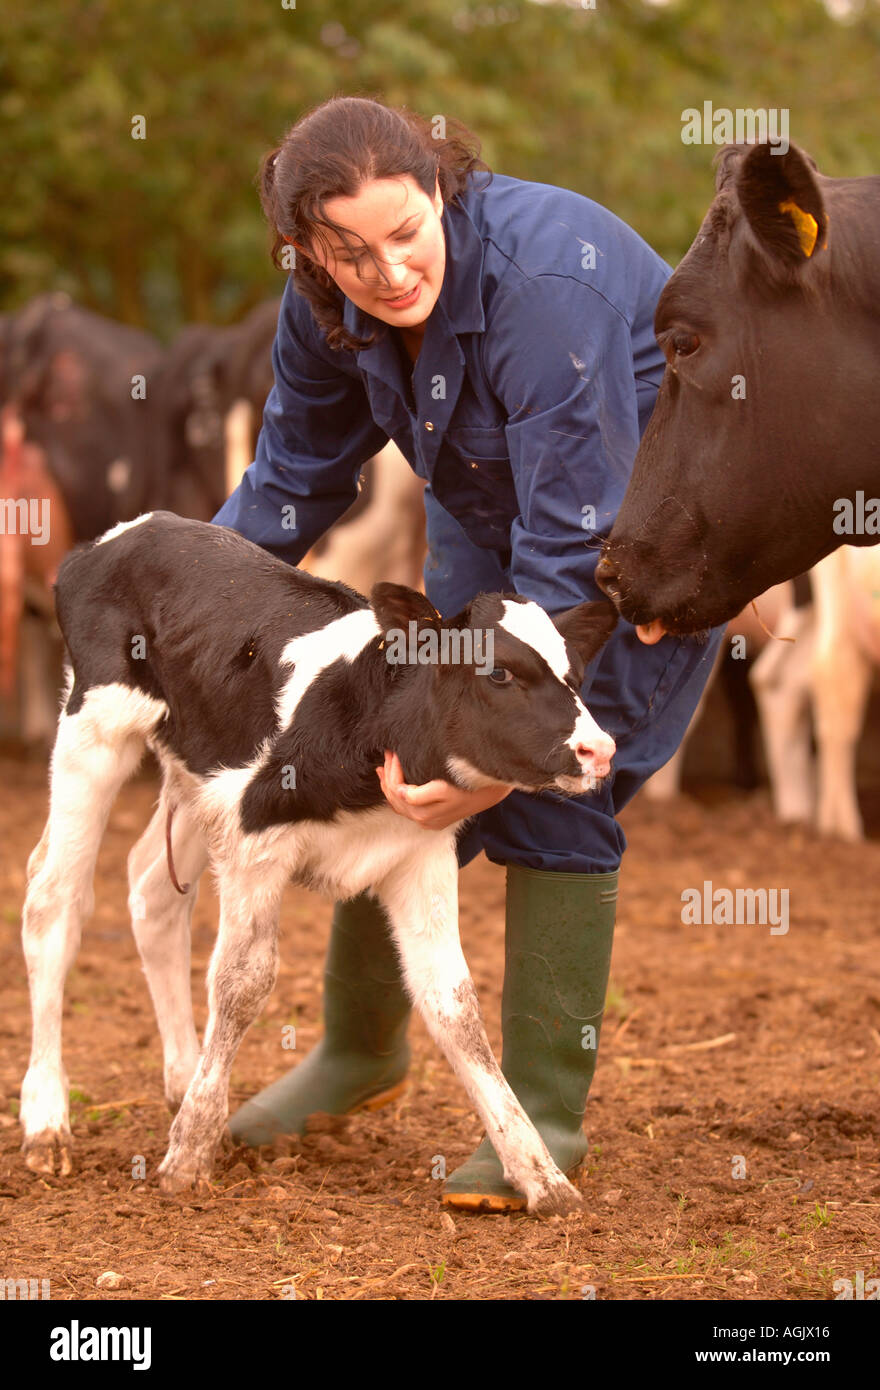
pixel 838 666
pixel 815 686
pixel 777 612
pixel 384 541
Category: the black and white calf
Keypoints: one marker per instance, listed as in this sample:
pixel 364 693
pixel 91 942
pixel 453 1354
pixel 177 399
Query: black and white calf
pixel 268 698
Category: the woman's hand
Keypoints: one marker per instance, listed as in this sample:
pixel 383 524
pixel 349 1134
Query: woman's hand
pixel 435 804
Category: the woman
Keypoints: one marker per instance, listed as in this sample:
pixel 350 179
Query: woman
pixel 500 332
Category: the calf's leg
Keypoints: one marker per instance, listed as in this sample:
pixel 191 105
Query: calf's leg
pixel 421 899
pixel 241 975
pixel 161 919
pixel 91 759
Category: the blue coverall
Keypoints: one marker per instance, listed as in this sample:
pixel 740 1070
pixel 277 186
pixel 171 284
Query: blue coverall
pixel 537 374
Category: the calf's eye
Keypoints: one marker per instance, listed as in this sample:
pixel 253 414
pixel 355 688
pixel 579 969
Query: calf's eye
pixel 500 676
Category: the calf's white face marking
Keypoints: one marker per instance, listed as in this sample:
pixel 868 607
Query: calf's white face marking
pixel 530 624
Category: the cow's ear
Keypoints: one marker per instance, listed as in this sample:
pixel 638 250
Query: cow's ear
pixel 781 199
pixel 395 605
pixel 727 161
pixel 588 626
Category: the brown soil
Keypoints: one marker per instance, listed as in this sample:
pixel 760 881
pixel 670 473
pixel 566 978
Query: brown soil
pixel 352 1211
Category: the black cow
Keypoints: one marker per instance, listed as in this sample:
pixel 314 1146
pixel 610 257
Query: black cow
pixel 76 444
pixel 208 370
pixel 769 412
pixel 71 377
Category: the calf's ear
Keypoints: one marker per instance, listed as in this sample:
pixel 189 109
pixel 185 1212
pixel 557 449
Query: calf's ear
pixel 395 606
pixel 588 626
pixel 781 199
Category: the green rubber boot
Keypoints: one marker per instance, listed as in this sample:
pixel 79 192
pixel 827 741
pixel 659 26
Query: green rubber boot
pixel 363 1057
pixel 559 930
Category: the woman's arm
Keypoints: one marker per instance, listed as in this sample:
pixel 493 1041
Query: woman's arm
pixel 559 356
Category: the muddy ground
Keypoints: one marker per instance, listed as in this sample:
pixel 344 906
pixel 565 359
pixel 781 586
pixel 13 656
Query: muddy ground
pixel 719 1041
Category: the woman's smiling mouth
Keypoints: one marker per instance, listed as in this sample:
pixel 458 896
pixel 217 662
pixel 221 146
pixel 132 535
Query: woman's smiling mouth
pixel 404 301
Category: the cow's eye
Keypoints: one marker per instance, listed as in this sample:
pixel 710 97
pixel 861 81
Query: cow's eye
pixel 500 676
pixel 683 344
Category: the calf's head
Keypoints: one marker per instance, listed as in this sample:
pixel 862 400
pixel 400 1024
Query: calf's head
pixel 766 413
pixel 497 698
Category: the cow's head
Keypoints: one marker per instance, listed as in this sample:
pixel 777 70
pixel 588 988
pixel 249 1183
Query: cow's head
pixel 767 412
pixel 498 699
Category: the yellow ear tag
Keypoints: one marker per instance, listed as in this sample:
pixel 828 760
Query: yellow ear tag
pixel 805 223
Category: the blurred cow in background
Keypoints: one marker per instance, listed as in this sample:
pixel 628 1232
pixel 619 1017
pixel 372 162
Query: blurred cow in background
pixel 382 535
pixel 75 457
pixel 823 682
pixel 811 682
pixel 79 384
pixel 210 392
pixel 747 637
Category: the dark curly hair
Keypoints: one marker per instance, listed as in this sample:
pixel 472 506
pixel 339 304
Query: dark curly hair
pixel 330 153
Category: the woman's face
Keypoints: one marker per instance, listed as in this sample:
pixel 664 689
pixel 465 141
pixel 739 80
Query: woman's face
pixel 403 251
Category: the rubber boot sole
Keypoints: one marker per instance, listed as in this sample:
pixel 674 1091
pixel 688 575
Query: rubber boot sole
pixel 484 1201
pixel 383 1098
pixel 496 1203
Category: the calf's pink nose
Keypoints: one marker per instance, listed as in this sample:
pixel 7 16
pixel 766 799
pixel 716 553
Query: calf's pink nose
pixel 599 751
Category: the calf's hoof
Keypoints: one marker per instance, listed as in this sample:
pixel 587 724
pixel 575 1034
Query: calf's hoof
pixel 49 1152
pixel 183 1176
pixel 555 1197
pixel 481 1183
pixel 550 1195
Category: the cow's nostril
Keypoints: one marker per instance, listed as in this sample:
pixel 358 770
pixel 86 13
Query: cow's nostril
pixel 606 576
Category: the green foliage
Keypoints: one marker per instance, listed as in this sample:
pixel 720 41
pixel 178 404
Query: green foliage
pixel 169 228
pixel 819 1216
